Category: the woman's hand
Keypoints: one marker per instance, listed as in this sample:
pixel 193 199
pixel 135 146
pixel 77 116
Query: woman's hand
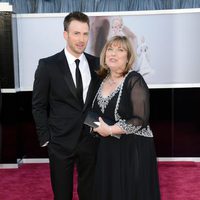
pixel 103 129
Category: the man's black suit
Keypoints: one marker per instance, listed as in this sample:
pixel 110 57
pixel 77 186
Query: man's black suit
pixel 59 117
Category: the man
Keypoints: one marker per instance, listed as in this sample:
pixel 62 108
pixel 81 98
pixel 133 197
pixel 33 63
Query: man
pixel 59 108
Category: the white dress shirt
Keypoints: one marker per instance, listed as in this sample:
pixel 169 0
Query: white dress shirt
pixel 84 69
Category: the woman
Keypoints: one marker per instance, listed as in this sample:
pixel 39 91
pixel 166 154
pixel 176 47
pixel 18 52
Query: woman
pixel 126 161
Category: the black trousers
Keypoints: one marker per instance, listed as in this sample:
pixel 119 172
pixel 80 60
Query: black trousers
pixel 62 171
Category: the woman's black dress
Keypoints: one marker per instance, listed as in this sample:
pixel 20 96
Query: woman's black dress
pixel 126 167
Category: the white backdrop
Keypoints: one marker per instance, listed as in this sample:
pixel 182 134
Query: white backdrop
pixel 171 37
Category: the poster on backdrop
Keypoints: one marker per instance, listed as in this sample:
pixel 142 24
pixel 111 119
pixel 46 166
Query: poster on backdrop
pixel 167 43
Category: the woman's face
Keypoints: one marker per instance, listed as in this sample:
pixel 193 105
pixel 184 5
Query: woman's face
pixel 116 58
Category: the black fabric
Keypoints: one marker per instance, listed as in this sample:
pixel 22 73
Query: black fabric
pixel 59 119
pixel 56 108
pixel 127 167
pixel 79 82
pixel 62 171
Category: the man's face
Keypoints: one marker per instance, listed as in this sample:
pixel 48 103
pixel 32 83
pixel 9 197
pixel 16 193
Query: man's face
pixel 77 37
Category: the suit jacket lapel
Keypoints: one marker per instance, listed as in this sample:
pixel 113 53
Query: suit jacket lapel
pixel 67 74
pixel 94 79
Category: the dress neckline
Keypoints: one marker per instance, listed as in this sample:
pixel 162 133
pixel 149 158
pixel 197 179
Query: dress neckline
pixel 111 93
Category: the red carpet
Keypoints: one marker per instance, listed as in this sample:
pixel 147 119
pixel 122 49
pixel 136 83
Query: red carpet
pixel 178 181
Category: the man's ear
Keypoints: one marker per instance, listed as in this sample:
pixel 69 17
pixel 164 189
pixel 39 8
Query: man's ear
pixel 65 35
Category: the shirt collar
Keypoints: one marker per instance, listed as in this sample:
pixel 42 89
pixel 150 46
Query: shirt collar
pixel 71 58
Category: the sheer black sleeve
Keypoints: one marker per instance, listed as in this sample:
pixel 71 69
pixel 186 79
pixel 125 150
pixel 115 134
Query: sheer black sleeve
pixel 135 100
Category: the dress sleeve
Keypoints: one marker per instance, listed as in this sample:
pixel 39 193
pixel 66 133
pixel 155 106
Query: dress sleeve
pixel 136 122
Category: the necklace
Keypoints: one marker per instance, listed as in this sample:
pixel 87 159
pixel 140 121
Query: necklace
pixel 111 82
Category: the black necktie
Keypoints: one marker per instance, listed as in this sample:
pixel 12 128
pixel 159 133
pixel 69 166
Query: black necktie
pixel 79 83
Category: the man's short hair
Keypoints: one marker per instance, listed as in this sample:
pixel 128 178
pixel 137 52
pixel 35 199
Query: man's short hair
pixel 78 16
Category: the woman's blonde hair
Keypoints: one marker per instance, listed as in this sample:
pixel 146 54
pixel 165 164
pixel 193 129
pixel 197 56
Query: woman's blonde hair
pixel 124 42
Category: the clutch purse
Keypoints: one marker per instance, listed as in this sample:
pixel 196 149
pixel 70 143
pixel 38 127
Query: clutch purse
pixel 92 120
